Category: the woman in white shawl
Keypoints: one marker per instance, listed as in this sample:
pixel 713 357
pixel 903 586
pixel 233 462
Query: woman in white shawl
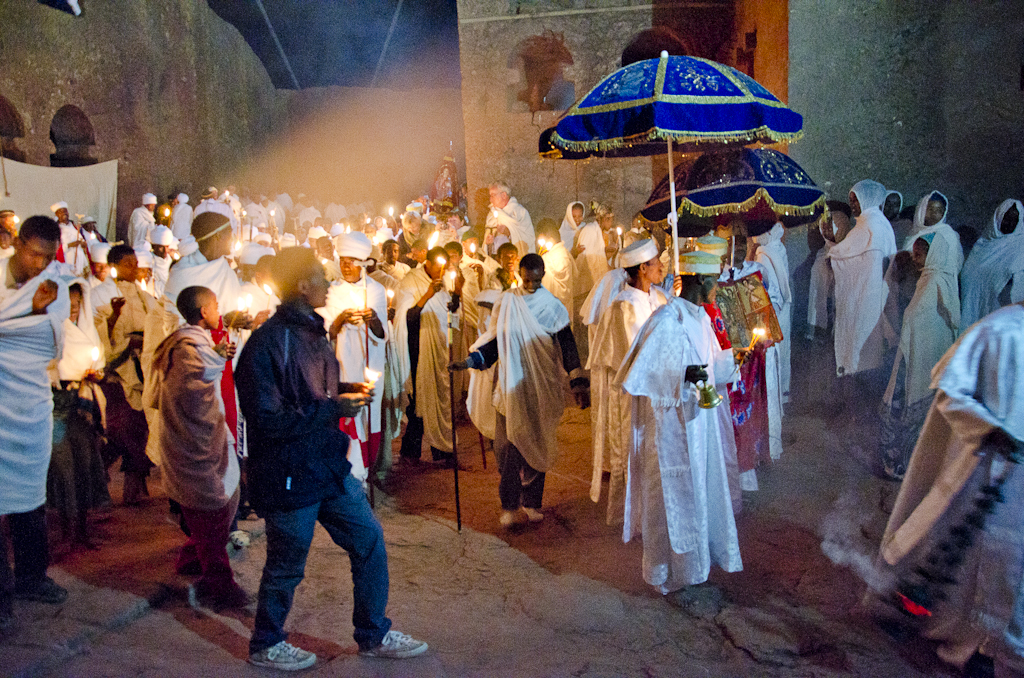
pixel 931 324
pixel 571 222
pixel 858 263
pixel 993 275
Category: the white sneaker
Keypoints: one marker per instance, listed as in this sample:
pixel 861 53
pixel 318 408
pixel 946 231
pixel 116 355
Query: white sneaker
pixel 283 657
pixel 533 515
pixel 510 518
pixel 396 645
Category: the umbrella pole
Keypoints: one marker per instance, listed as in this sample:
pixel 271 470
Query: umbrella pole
pixel 455 449
pixel 672 221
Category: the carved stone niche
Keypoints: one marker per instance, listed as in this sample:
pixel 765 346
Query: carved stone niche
pixel 543 57
pixel 72 135
pixel 12 127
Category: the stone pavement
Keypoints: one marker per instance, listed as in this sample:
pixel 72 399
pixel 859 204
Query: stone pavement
pixel 563 598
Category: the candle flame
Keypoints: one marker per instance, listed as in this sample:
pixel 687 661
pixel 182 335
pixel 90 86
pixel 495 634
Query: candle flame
pixel 759 331
pixel 433 239
pixel 175 255
pixel 440 261
pixel 391 211
pixel 241 304
pixel 618 229
pixel 391 294
pixel 17 219
pixel 451 274
pixel 266 288
pixel 472 248
pixel 95 353
pixel 237 246
pixel 113 272
pixel 371 376
pixel 272 212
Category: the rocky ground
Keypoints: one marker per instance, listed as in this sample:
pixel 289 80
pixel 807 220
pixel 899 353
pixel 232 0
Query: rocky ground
pixel 561 598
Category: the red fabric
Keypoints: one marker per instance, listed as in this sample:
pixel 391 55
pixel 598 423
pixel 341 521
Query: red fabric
pixel 207 547
pixel 369 449
pixel 227 382
pixel 60 253
pixel 718 325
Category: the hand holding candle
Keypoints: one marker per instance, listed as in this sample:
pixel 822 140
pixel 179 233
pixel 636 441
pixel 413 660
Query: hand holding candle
pixel 757 334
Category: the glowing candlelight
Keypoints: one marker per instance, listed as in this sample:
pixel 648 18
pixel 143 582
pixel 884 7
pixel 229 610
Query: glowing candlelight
pixel 248 301
pixel 391 297
pixel 472 248
pixel 756 335
pixel 244 213
pixel 241 304
pixel 432 242
pixel 113 272
pixel 451 276
pixel 175 255
pixel 95 354
pixel 618 231
pixel 391 211
pixel 371 376
pixel 237 246
pixel 273 212
pixel 440 261
pixel 266 288
pixel 167 212
pixel 17 219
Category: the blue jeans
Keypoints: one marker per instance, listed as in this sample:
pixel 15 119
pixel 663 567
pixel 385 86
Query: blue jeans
pixel 347 517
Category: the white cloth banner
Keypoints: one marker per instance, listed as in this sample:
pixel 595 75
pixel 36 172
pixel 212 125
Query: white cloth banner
pixel 88 190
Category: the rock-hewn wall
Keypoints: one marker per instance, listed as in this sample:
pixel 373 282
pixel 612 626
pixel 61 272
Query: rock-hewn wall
pixel 173 91
pixel 501 133
pixel 917 95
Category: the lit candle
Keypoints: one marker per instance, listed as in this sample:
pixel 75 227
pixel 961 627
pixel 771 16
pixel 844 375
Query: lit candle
pixel 391 211
pixel 241 304
pixel 17 219
pixel 270 293
pixel 451 276
pixel 472 248
pixel 618 230
pixel 175 255
pixel 272 212
pixel 432 242
pixel 113 272
pixel 756 334
pixel 391 297
pixel 237 246
pixel 371 376
pixel 95 355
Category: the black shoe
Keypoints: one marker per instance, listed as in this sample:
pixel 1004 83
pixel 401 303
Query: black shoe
pixel 47 591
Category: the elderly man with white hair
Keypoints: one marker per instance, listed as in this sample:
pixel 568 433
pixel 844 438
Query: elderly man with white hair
pixel 181 217
pixel 507 217
pixel 142 222
pixel 356 315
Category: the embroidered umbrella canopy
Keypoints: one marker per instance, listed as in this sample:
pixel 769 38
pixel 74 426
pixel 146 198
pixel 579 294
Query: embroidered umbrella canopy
pixel 649 107
pixel 733 181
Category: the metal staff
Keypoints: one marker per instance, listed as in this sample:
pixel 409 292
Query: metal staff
pixel 451 401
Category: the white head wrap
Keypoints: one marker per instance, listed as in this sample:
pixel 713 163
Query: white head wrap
pixel 354 245
pixel 337 229
pixel 922 207
pixel 251 253
pixel 58 206
pixel 188 245
pixel 898 195
pixel 385 234
pixel 145 258
pixel 148 199
pixel 638 253
pixel 315 233
pixel 87 220
pixel 263 239
pixel 98 252
pixel 997 219
pixel 161 235
pixel 288 240
pixel 182 199
pixel 869 194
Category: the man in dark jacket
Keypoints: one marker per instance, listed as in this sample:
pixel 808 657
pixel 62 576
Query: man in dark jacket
pixel 288 386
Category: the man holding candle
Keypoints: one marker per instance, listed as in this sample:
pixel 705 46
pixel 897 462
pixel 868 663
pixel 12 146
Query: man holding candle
pixel 423 304
pixel 510 219
pixel 356 314
pixel 298 473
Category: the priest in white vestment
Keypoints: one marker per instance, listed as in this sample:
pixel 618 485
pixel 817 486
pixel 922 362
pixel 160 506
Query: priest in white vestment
pixel 510 219
pixel 74 242
pixel 976 421
pixel 356 315
pixel 34 304
pixel 532 348
pixel 142 222
pixel 993 275
pixel 678 495
pixel 611 428
pixel 422 312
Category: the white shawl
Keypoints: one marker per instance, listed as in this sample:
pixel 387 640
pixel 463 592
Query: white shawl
pixel 567 231
pixel 80 340
pixel 592 262
pixel 599 299
pixel 920 229
pixel 518 222
pixel 559 275
pixel 27 345
pixel 996 261
pixel 531 382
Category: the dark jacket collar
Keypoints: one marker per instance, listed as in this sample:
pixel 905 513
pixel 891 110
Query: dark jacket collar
pixel 297 311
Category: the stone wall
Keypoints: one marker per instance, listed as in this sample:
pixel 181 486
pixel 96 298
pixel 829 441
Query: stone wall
pixel 173 92
pixel 501 132
pixel 918 95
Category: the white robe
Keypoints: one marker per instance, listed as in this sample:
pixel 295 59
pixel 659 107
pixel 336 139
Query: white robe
pixel 214 205
pixel 81 340
pixel 980 384
pixel 433 403
pixel 858 263
pixel 531 383
pixel 822 289
pixel 480 394
pixel 994 267
pixel 771 254
pixel 598 301
pixel 75 257
pixel 592 262
pixel 161 271
pixel 181 220
pixel 516 218
pixel 27 345
pixel 140 224
pixel 679 496
pixel 559 275
pixel 352 341
pixel 611 428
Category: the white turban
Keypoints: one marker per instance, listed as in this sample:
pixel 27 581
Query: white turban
pixel 385 234
pixel 337 229
pixel 640 252
pixel 252 252
pixel 182 199
pixel 144 258
pixel 315 233
pixel 263 239
pixel 58 206
pixel 288 240
pixel 161 235
pixel 98 252
pixel 87 220
pixel 353 245
pixel 148 199
pixel 698 262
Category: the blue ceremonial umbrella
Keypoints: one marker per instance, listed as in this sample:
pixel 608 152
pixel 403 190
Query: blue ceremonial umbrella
pixel 735 180
pixel 649 106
